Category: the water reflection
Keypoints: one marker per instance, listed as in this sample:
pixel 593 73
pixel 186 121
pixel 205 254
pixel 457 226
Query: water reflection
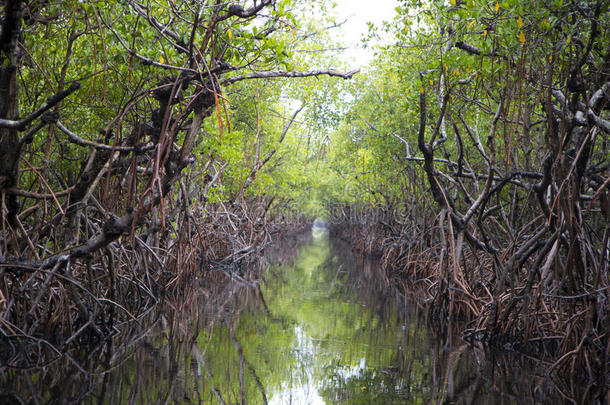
pixel 342 329
pixel 325 328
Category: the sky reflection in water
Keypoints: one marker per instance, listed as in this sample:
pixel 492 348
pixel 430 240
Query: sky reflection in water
pixel 345 336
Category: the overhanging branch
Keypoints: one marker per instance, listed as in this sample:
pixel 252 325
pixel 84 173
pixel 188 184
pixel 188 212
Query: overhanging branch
pixel 51 102
pixel 276 74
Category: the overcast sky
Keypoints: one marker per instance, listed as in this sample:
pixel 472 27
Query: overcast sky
pixel 357 13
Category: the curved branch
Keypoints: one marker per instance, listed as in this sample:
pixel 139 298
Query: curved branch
pixel 83 142
pixel 239 11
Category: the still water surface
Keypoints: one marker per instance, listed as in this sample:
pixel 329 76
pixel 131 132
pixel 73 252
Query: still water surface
pixel 323 329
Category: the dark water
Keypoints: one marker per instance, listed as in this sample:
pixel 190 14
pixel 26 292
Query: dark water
pixel 323 329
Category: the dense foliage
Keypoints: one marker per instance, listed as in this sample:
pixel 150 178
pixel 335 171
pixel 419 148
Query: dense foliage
pixel 143 141
pixel 477 146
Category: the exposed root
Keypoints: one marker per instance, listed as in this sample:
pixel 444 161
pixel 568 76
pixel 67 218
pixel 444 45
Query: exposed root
pixel 529 315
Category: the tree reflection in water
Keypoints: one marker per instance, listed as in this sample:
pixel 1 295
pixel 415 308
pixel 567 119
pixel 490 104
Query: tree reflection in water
pixel 325 328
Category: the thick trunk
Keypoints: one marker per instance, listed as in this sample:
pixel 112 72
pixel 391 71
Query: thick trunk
pixel 9 106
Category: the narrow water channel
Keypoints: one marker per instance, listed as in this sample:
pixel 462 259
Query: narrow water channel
pixel 324 328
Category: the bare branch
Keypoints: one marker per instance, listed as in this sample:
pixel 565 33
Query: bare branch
pixel 276 74
pixel 83 142
pixel 51 102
